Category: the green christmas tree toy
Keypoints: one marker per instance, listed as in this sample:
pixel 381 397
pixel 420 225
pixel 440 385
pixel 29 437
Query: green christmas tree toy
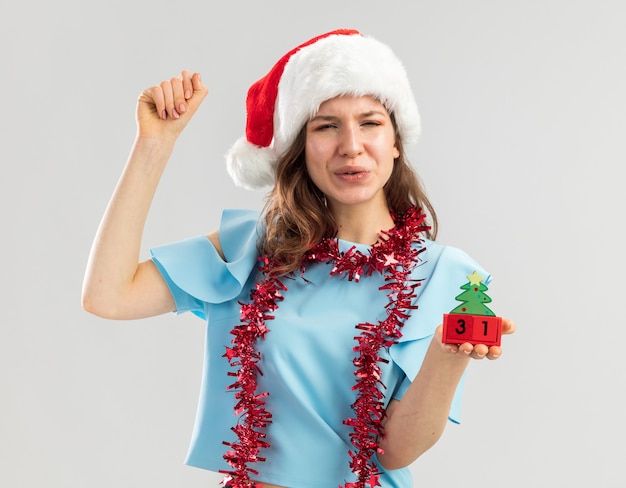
pixel 472 321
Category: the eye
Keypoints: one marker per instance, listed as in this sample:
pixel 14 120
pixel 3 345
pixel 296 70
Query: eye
pixel 372 123
pixel 325 127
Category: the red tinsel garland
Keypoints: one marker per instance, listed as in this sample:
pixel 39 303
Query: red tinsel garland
pixel 395 257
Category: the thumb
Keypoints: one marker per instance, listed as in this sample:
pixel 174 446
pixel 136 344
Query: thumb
pixel 198 94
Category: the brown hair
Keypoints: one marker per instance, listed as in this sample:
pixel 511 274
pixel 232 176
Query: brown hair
pixel 296 216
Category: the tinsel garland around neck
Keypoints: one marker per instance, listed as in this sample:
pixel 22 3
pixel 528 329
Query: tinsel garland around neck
pixel 395 257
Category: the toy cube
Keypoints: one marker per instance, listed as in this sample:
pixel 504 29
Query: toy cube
pixel 487 330
pixel 475 329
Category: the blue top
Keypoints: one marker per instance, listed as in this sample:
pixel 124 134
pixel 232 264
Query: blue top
pixel 307 355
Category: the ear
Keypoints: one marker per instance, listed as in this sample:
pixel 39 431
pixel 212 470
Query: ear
pixel 396 152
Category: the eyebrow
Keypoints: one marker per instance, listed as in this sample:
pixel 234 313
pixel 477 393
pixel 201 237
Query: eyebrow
pixel 364 115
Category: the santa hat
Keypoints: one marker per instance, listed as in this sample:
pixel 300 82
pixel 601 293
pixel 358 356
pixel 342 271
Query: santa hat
pixel 340 62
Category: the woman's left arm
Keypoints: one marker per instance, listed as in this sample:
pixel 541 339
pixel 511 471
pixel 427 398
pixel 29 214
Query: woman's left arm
pixel 415 423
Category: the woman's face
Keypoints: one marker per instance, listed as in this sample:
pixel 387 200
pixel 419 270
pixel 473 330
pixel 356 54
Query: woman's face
pixel 350 150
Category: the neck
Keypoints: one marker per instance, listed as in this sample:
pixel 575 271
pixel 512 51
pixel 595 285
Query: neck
pixel 362 224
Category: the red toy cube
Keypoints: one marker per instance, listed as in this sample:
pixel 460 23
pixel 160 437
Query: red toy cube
pixel 475 329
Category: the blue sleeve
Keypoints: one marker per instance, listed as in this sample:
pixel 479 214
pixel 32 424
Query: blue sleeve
pixel 444 269
pixel 195 272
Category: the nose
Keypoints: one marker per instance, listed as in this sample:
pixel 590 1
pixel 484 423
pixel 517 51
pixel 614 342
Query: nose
pixel 350 143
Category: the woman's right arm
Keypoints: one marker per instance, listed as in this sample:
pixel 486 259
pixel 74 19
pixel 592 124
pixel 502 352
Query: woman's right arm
pixel 116 284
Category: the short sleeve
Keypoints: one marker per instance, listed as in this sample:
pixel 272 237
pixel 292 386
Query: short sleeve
pixel 443 270
pixel 195 272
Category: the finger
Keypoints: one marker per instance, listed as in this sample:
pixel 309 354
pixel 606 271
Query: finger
pixel 186 76
pixel 480 351
pixel 196 82
pixel 494 352
pixel 475 351
pixel 452 348
pixel 438 331
pixel 508 326
pixel 200 91
pixel 178 91
pixel 154 96
pixel 168 96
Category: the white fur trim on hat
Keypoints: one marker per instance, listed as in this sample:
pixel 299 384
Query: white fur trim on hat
pixel 251 166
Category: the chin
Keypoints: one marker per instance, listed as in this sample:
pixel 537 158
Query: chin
pixel 355 200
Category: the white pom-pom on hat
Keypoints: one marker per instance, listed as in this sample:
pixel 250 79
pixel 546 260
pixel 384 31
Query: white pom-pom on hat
pixel 340 62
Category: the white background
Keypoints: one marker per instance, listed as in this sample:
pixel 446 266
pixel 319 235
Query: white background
pixel 523 107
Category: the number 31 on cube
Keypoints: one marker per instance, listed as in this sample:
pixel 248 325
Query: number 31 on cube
pixel 476 329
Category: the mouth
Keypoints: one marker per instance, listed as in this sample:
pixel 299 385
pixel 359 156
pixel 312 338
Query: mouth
pixel 352 175
pixel 351 171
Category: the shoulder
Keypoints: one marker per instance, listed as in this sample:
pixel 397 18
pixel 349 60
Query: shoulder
pixel 238 229
pixel 212 270
pixel 445 260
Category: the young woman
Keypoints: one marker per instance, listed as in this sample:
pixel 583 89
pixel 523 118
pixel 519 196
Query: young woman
pixel 324 361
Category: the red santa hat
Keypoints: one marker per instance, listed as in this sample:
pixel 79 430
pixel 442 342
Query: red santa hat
pixel 340 62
